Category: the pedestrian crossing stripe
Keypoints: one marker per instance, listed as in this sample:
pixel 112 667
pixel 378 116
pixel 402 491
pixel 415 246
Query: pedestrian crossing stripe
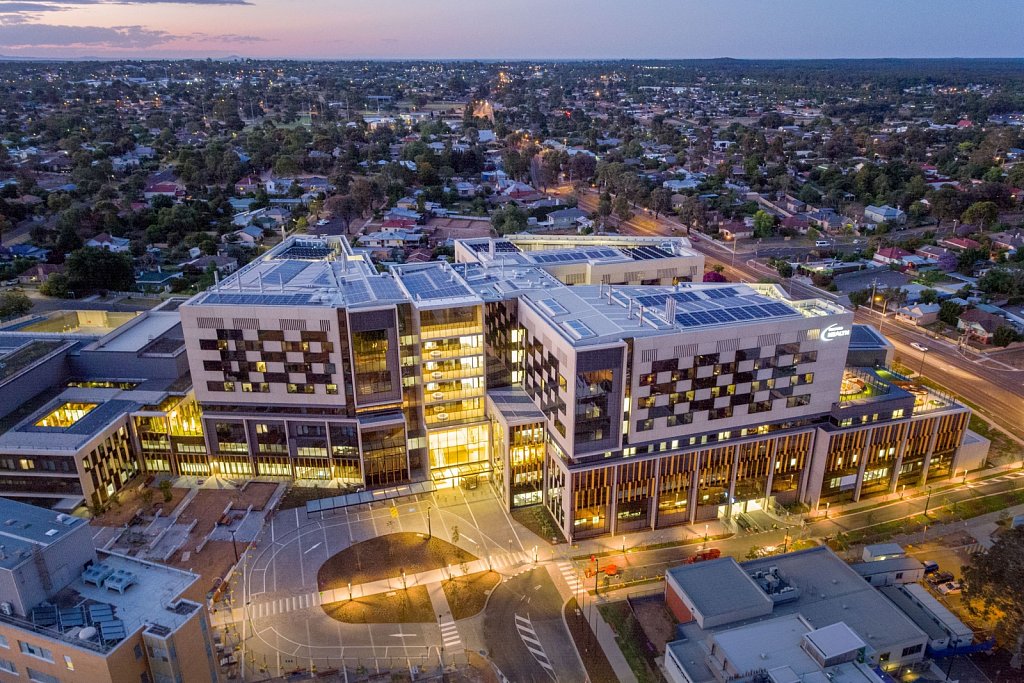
pixel 532 643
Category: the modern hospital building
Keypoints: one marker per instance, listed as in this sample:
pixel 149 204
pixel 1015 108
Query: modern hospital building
pixel 594 375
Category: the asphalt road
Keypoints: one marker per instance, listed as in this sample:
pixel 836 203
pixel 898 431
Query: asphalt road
pixel 1000 392
pixel 523 629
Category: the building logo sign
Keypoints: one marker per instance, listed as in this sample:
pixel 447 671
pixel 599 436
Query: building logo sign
pixel 834 332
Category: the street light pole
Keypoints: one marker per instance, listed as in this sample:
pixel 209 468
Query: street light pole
pixel 234 546
pixel 921 371
pixel 429 533
pixel 927 501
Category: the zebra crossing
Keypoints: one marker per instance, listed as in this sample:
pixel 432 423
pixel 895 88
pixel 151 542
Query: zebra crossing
pixel 293 603
pixel 532 643
pixel 568 573
pixel 1009 476
pixel 450 636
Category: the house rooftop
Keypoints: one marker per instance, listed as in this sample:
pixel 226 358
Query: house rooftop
pixel 718 586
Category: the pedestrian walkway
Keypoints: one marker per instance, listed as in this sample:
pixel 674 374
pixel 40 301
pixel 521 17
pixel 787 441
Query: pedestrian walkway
pixel 266 608
pixel 570 576
pixel 449 631
pixel 532 643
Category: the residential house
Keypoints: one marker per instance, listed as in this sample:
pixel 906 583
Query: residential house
pixel 918 314
pixel 931 253
pixel 566 218
pixel 979 325
pixel 1011 242
pixel 465 190
pixel 155 280
pixel 884 214
pixel 734 230
pixel 39 273
pixel 118 245
pixel 392 238
pixel 250 235
pixel 248 185
pixel 162 189
pixel 225 265
pixel 959 243
pixel 891 256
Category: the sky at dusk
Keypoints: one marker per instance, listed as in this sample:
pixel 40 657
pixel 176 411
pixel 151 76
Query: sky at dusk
pixel 527 29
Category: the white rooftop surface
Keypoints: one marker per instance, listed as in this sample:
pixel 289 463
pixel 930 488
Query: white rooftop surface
pixel 139 332
pixel 773 645
pixel 145 602
pixel 835 639
pixel 593 314
pixel 831 591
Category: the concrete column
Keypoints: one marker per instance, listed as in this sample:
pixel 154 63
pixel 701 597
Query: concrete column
pixel 613 502
pixel 865 454
pixel 695 479
pixel 898 465
pixel 928 454
pixel 771 471
pixel 732 479
pixel 656 493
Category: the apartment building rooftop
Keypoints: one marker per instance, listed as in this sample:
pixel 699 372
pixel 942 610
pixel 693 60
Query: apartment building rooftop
pixel 545 251
pixel 588 314
pixel 112 599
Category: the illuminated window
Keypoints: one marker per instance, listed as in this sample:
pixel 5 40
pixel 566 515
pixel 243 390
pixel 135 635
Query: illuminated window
pixel 66 415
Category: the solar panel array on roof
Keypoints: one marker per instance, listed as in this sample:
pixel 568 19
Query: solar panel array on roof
pixel 646 253
pixel 660 299
pixel 576 255
pixel 723 293
pixel 577 329
pixel 432 284
pixel 500 247
pixel 719 316
pixel 306 252
pixel 552 307
pixel 228 299
pixel 286 272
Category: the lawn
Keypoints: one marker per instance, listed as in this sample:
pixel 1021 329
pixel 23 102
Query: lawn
pixel 594 660
pixel 394 607
pixel 468 594
pixel 631 639
pixel 385 557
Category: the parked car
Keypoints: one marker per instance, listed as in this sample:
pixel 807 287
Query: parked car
pixel 940 578
pixel 822 243
pixel 930 567
pixel 949 588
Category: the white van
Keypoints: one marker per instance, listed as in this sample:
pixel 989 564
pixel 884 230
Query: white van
pixel 823 243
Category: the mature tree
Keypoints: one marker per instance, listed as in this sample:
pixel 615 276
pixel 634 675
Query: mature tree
pixel 994 589
pixel 692 214
pixel 982 213
pixel 1005 335
pixel 948 261
pixel 508 220
pixel 661 201
pixel 91 269
pixel 784 268
pixel 968 257
pixel 714 276
pixel 13 304
pixel 949 312
pixel 621 208
pixel 582 168
pixel 929 296
pixel 344 207
pixel 57 285
pixel 859 298
pixel 764 224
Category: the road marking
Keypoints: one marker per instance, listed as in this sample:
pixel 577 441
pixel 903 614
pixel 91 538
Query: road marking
pixel 450 634
pixel 532 643
pixel 312 548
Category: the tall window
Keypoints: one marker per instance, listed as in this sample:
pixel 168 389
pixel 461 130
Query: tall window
pixel 372 375
pixel 593 417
